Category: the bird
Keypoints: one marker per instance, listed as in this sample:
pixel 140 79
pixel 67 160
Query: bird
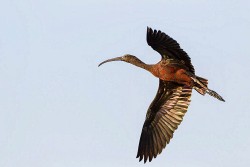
pixel 176 80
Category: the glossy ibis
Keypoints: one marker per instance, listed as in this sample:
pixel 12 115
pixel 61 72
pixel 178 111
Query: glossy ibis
pixel 176 80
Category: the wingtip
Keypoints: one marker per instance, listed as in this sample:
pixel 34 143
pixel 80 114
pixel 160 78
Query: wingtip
pixel 141 157
pixel 150 159
pixel 145 159
pixel 137 156
pixel 149 29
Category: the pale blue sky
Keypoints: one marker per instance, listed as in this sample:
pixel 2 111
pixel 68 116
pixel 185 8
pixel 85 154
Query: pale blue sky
pixel 58 109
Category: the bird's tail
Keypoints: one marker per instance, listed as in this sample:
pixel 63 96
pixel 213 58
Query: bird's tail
pixel 200 85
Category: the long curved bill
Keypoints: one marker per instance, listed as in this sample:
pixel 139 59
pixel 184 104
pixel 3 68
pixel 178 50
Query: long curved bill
pixel 109 60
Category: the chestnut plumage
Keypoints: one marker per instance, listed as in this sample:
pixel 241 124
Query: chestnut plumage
pixel 176 80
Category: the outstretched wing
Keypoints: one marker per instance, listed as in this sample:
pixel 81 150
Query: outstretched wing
pixel 163 117
pixel 168 47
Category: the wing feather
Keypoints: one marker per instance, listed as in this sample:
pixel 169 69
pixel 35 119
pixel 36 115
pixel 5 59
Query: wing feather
pixel 168 48
pixel 163 117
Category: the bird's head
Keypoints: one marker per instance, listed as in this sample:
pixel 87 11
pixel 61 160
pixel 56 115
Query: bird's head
pixel 127 58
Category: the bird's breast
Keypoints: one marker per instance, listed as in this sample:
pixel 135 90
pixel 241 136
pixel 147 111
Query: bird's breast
pixel 165 73
pixel 171 73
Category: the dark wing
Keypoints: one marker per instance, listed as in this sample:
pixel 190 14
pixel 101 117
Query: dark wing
pixel 163 117
pixel 168 47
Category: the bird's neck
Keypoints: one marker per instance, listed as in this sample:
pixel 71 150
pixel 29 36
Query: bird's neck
pixel 137 62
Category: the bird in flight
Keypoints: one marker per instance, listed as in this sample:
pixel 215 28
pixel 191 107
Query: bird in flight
pixel 176 80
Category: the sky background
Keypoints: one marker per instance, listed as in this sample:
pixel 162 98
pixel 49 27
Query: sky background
pixel 59 109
